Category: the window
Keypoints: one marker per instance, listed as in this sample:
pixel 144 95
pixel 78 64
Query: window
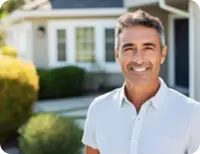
pixel 85 44
pixel 61 45
pixel 109 45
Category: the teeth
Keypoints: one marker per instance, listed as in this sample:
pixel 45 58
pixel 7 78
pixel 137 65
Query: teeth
pixel 139 69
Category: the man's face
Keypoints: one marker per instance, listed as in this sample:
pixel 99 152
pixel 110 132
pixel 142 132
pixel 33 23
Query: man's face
pixel 140 55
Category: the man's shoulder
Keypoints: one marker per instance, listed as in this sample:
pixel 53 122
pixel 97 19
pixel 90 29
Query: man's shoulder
pixel 179 98
pixel 105 99
pixel 108 95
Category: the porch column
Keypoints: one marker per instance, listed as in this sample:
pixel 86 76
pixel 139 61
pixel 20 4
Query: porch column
pixel 194 50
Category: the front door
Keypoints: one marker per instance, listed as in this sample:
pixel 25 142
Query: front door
pixel 181 49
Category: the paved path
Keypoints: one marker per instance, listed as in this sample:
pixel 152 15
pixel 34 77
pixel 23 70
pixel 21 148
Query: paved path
pixel 76 107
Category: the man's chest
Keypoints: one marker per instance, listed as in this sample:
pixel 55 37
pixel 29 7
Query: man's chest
pixel 141 135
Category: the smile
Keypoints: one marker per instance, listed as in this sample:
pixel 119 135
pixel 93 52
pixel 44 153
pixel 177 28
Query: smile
pixel 139 70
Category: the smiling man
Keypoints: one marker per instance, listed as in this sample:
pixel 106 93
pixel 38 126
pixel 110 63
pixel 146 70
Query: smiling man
pixel 143 116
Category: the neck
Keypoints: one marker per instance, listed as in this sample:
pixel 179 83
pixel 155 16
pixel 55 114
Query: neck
pixel 138 94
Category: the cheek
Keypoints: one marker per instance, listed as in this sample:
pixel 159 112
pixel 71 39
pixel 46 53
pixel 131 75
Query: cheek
pixel 157 62
pixel 126 60
pixel 154 59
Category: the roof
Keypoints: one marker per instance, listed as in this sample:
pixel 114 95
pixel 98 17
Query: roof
pixel 21 15
pixel 61 4
pixel 37 4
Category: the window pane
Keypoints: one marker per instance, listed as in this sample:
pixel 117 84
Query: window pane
pixel 109 45
pixel 61 45
pixel 110 33
pixel 61 34
pixel 110 55
pixel 85 44
pixel 61 52
pixel 90 34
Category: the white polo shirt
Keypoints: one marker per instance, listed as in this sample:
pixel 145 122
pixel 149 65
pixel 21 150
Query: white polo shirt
pixel 168 123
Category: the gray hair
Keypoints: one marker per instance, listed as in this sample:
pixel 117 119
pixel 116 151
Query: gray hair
pixel 136 18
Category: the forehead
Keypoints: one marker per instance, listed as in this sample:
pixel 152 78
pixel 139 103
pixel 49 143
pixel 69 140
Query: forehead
pixel 139 34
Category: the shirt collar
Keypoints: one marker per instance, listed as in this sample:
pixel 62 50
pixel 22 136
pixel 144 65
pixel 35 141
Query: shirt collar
pixel 156 100
pixel 122 95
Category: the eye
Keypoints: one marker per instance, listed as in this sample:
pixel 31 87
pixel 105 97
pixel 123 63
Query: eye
pixel 128 49
pixel 148 48
pixel 132 49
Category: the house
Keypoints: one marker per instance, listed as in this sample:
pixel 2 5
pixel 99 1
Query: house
pixel 69 32
pixel 70 25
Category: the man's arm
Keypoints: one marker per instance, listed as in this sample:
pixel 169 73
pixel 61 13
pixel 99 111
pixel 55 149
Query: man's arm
pixel 90 150
pixel 89 135
pixel 194 138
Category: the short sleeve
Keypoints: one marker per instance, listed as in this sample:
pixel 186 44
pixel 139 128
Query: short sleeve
pixel 194 138
pixel 89 128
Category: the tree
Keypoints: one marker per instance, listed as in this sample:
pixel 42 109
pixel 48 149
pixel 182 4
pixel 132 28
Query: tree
pixel 9 6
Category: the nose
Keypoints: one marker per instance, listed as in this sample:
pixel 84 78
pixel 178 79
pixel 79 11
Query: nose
pixel 138 57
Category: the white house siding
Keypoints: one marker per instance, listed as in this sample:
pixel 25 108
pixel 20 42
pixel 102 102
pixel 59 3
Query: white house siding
pixel 19 36
pixel 40 45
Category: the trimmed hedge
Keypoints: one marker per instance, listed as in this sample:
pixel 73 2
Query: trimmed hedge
pixel 18 92
pixel 61 82
pixel 48 133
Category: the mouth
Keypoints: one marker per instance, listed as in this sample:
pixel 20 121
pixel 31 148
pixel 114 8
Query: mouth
pixel 139 70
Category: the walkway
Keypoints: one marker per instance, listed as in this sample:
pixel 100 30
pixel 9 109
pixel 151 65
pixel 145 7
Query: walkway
pixel 74 107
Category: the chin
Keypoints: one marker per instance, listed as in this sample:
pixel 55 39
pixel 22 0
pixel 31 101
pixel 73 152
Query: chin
pixel 142 81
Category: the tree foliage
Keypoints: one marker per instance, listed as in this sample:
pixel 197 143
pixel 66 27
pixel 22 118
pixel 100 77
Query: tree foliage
pixel 8 6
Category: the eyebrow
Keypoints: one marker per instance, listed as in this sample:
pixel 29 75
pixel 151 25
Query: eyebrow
pixel 132 44
pixel 150 44
pixel 128 45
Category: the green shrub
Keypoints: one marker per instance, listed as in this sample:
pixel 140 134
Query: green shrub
pixel 18 92
pixel 61 82
pixel 47 133
pixel 2 37
pixel 9 51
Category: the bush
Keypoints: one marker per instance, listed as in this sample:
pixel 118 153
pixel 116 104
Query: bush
pixel 18 92
pixel 2 37
pixel 9 51
pixel 47 133
pixel 61 82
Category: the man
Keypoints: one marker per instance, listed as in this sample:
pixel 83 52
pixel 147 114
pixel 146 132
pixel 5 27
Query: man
pixel 144 116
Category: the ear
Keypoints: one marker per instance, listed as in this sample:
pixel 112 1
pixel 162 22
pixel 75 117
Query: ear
pixel 163 54
pixel 116 54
